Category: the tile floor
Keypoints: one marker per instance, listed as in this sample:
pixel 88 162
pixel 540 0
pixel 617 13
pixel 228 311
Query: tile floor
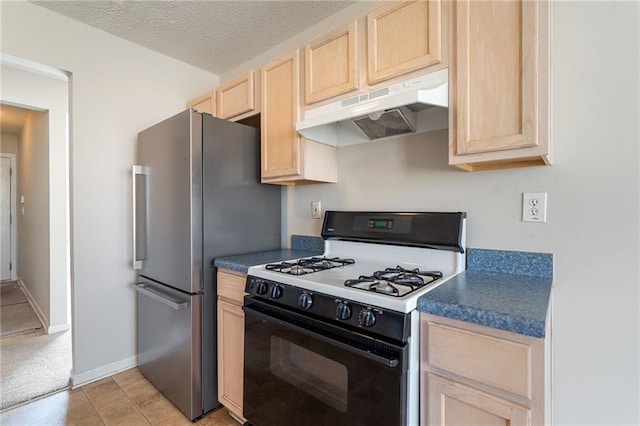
pixel 126 399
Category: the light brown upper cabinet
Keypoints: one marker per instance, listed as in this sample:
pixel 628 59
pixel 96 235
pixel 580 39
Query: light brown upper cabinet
pixel 331 64
pixel 403 37
pixel 204 103
pixel 287 158
pixel 498 99
pixel 240 97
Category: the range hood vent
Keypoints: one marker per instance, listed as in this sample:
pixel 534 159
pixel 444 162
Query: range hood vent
pixel 412 106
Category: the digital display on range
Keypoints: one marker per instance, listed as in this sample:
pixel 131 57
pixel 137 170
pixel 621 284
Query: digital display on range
pixel 380 223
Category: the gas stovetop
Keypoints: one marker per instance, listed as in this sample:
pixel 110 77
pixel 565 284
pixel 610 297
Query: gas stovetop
pixel 393 281
pixel 385 260
pixel 384 281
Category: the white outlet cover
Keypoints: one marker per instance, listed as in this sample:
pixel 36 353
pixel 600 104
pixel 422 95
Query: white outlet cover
pixel 316 210
pixel 534 206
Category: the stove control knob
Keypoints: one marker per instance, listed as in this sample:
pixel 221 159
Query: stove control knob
pixel 367 318
pixel 305 301
pixel 276 292
pixel 261 287
pixel 343 311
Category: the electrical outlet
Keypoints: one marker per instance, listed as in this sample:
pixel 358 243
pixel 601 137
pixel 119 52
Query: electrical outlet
pixel 316 210
pixel 534 206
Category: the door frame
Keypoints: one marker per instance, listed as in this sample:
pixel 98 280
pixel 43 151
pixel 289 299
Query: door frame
pixel 14 215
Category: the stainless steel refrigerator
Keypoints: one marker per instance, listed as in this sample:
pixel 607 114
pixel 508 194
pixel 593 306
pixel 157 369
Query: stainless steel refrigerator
pixel 196 196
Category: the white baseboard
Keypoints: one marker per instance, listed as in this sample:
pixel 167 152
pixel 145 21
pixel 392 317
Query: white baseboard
pixel 58 328
pixel 36 308
pixel 50 329
pixel 87 377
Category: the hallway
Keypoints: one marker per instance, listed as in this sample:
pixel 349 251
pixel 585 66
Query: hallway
pixel 32 363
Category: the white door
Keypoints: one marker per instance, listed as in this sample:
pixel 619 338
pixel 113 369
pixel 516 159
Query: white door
pixel 5 195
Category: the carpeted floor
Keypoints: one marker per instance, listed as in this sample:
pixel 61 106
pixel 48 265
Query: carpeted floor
pixel 32 364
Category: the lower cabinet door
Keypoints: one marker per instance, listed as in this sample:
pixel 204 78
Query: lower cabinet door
pixel 452 403
pixel 230 356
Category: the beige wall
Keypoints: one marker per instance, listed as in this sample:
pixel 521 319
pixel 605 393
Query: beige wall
pixel 33 214
pixel 117 89
pixel 593 206
pixel 593 203
pixel 9 143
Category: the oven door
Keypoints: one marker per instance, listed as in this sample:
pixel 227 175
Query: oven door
pixel 300 371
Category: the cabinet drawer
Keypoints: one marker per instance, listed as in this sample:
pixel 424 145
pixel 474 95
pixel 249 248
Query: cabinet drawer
pixel 496 362
pixel 231 287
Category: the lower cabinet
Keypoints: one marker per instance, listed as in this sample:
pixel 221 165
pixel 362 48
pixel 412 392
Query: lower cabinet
pixel 471 374
pixel 231 341
pixel 452 403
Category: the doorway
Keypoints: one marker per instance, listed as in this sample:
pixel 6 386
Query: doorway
pixel 7 225
pixel 38 362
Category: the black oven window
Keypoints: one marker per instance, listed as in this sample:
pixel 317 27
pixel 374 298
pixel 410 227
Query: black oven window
pixel 320 377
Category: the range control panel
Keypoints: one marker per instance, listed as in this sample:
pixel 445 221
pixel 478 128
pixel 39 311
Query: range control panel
pixel 370 319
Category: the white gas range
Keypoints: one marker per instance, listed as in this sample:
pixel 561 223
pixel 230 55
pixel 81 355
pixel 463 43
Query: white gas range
pixel 355 302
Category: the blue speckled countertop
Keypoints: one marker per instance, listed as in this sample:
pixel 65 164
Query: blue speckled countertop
pixel 301 246
pixel 507 290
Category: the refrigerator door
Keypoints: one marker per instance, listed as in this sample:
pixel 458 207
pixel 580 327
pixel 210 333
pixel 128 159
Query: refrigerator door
pixel 169 349
pixel 168 220
pixel 241 215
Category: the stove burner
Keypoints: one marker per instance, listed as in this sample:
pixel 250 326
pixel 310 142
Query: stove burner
pixel 297 270
pixel 308 265
pixel 384 287
pixel 396 281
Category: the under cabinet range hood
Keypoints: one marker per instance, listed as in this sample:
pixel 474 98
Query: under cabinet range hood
pixel 412 106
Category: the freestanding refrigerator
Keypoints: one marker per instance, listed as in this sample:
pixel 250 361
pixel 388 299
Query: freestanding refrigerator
pixel 196 196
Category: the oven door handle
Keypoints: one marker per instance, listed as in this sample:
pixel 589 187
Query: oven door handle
pixel 387 362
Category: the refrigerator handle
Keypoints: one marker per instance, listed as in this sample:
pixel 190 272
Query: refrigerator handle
pixel 165 299
pixel 137 171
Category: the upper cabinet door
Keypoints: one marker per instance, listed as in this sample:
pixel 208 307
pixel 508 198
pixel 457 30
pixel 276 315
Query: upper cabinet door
pixel 496 76
pixel 280 110
pixel 403 37
pixel 331 64
pixel 204 103
pixel 238 96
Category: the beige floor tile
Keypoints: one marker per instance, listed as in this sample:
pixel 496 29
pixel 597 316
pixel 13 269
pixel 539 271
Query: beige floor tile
pixel 66 402
pixel 100 388
pixel 128 377
pixel 79 411
pixel 126 399
pixel 115 408
pixel 36 413
pixel 161 412
pixel 156 408
pixel 106 400
pixel 219 417
pixel 142 392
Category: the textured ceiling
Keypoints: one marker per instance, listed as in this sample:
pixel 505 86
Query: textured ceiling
pixel 214 35
pixel 12 119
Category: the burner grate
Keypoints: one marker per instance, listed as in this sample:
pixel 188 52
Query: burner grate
pixel 309 265
pixel 396 281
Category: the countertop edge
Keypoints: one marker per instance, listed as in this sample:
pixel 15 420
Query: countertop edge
pixel 501 321
pixel 504 290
